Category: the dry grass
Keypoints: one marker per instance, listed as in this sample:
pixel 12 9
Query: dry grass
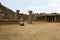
pixel 36 31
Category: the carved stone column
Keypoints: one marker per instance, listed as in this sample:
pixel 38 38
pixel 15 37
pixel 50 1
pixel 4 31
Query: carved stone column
pixel 30 17
pixel 17 11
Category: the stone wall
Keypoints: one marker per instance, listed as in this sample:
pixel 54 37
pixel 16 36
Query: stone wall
pixel 9 21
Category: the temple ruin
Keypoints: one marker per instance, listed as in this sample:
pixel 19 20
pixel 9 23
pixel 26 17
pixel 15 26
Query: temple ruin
pixel 7 15
pixel 53 17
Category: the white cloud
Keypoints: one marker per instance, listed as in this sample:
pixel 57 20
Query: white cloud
pixel 36 8
pixel 53 6
pixel 54 1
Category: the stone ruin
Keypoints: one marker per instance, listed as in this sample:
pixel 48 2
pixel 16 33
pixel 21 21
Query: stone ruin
pixel 9 16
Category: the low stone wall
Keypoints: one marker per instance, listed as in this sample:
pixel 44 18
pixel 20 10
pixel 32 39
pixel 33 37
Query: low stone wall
pixel 9 21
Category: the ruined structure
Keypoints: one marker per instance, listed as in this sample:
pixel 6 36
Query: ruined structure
pixel 23 16
pixel 7 15
pixel 6 12
pixel 53 17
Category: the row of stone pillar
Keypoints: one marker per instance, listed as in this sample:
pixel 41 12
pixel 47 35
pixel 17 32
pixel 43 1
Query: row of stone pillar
pixel 47 19
pixel 30 16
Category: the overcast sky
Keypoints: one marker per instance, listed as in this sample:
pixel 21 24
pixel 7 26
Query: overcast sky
pixel 39 6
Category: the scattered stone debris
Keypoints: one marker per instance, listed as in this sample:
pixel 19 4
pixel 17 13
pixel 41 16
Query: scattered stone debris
pixel 21 22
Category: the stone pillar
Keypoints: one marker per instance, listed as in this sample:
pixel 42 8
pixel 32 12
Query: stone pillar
pixel 52 19
pixel 55 18
pixel 45 17
pixel 30 17
pixel 33 17
pixel 48 18
pixel 17 11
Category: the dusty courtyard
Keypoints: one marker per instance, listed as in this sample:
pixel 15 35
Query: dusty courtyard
pixel 36 31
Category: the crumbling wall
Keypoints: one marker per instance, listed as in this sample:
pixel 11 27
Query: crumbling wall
pixel 9 21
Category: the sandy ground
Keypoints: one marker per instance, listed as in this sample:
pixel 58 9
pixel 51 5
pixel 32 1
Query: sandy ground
pixel 36 31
